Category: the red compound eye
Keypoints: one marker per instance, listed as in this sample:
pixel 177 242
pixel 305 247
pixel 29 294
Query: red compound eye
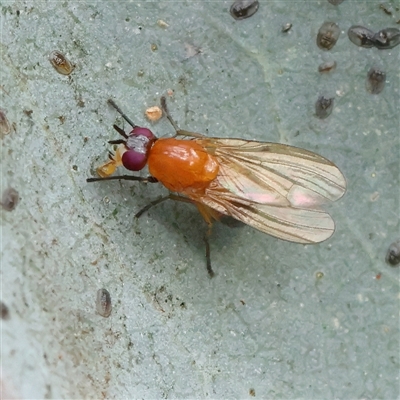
pixel 133 160
pixel 139 131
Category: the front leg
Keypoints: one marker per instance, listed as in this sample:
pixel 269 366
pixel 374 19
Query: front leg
pixel 149 179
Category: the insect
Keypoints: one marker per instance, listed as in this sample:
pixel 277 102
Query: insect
pixel 336 2
pixel 361 36
pixel 326 67
pixel 324 107
pixel 60 63
pixel 393 254
pixel 328 35
pixel 242 9
pixel 375 82
pixel 387 38
pixel 103 303
pixel 286 27
pixel 275 188
pixel 9 199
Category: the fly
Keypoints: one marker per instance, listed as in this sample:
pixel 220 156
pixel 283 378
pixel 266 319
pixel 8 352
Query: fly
pixel 275 188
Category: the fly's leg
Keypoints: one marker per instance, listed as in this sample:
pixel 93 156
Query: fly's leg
pixel 163 101
pixel 150 205
pixel 208 253
pixel 149 179
pixel 175 197
pixel 171 196
pixel 118 141
pixel 123 115
pixel 178 132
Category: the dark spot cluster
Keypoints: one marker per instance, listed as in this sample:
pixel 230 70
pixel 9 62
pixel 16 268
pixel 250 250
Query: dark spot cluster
pixel 327 36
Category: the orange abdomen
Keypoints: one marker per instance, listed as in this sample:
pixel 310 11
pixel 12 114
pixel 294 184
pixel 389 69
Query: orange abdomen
pixel 182 166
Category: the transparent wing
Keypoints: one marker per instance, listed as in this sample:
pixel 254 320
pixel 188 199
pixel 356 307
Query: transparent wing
pixel 275 188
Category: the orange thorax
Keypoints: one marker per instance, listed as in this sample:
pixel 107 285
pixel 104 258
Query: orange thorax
pixel 182 166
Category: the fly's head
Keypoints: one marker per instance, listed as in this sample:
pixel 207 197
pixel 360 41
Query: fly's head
pixel 138 144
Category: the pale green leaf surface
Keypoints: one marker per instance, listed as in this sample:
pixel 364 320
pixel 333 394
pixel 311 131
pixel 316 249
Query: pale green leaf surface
pixel 287 320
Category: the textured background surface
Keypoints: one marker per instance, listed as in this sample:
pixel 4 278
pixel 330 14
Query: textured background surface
pixel 266 321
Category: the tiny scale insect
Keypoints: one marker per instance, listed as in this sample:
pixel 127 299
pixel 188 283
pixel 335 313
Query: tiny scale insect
pixel 275 188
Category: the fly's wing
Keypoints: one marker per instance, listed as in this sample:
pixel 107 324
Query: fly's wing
pixel 275 188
